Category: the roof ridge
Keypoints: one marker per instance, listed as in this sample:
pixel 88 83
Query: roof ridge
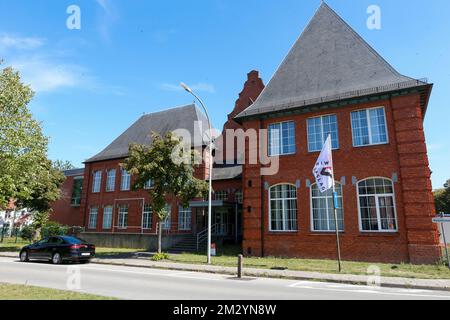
pixel 170 109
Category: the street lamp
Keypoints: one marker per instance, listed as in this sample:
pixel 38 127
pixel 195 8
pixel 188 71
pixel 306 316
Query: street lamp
pixel 185 87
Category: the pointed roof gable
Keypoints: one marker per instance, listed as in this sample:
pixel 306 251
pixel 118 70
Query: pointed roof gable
pixel 187 117
pixel 329 61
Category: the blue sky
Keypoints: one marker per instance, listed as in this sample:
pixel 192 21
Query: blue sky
pixel 129 57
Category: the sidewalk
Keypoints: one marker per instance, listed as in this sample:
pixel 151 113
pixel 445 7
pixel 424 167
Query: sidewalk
pixel 424 284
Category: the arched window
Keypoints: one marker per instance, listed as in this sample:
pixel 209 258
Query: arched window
pixel 322 207
pixel 377 205
pixel 283 208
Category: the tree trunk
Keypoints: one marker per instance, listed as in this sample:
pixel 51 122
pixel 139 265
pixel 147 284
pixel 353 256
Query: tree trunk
pixel 160 237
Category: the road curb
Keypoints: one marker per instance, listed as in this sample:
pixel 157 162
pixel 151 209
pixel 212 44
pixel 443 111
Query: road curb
pixel 386 282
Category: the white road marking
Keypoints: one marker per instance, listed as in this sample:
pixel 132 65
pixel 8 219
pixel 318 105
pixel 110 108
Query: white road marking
pixel 366 289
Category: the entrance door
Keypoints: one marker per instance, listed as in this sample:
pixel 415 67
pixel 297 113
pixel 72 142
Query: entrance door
pixel 201 216
pixel 222 221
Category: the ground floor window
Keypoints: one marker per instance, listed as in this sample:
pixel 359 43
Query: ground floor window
pixel 377 205
pixel 322 207
pixel 107 217
pixel 184 219
pixel 283 208
pixel 147 217
pixel 167 223
pixel 93 215
pixel 123 217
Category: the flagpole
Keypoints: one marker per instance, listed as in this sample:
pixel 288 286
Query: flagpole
pixel 335 207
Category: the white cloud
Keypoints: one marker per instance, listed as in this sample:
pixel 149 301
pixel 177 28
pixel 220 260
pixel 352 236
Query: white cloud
pixel 201 87
pixel 23 43
pixel 45 76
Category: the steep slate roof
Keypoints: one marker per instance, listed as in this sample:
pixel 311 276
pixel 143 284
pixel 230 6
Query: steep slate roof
pixel 329 61
pixel 187 117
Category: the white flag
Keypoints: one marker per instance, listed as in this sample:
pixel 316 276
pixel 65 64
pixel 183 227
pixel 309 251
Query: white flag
pixel 323 171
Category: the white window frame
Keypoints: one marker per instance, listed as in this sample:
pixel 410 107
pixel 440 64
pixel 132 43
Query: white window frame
pixel 223 195
pixel 377 204
pixel 120 213
pixel 148 185
pixel 328 221
pixel 107 224
pixel 280 151
pixel 93 223
pixel 97 181
pixel 184 219
pixel 322 131
pixel 125 177
pixel 239 196
pixel 110 180
pixel 283 209
pixel 369 124
pixel 147 224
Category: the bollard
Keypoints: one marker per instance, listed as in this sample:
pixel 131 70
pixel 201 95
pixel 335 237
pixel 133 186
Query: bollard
pixel 240 265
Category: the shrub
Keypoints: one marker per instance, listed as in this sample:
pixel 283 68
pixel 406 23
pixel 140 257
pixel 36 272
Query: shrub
pixel 160 256
pixel 53 229
pixel 27 233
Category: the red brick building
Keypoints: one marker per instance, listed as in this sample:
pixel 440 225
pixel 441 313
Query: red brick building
pixel 331 82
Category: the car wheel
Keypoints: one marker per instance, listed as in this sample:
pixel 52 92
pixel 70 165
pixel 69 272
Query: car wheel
pixel 24 256
pixel 56 258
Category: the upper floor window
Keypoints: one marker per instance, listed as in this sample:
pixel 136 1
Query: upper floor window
pixel 282 138
pixel 238 197
pixel 283 207
pixel 148 185
pixel 377 205
pixel 110 180
pixel 318 130
pixel 97 181
pixel 125 183
pixel 322 207
pixel 221 195
pixel 369 127
pixel 76 191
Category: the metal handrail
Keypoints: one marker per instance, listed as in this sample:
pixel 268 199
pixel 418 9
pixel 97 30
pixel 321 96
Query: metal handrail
pixel 203 235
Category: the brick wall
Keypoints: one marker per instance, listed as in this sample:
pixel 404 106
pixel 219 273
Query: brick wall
pixel 62 210
pixel 404 157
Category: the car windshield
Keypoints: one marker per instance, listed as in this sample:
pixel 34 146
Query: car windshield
pixel 73 240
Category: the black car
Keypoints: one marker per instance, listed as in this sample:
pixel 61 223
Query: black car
pixel 58 250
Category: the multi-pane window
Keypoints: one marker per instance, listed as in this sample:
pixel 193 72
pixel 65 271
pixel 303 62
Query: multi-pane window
pixel 93 214
pixel 107 217
pixel 318 130
pixel 148 185
pixel 322 206
pixel 282 138
pixel 110 180
pixel 238 196
pixel 125 182
pixel 167 223
pixel 97 181
pixel 369 127
pixel 283 208
pixel 377 205
pixel 221 195
pixel 147 217
pixel 76 191
pixel 123 217
pixel 184 219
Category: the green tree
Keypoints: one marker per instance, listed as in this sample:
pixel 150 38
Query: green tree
pixel 442 200
pixel 22 144
pixel 171 178
pixel 63 165
pixel 26 175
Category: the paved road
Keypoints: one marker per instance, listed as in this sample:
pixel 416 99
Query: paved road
pixel 154 284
